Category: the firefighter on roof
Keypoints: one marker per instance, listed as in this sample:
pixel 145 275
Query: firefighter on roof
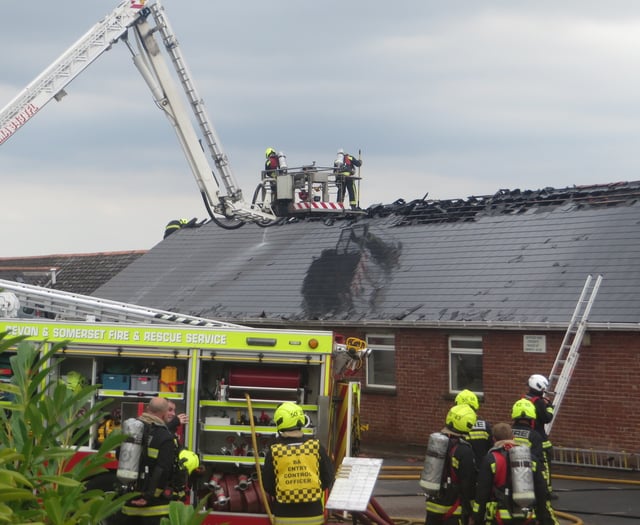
pixel 344 168
pixel 449 473
pixel 177 224
pixel 480 435
pixel 297 470
pixel 510 488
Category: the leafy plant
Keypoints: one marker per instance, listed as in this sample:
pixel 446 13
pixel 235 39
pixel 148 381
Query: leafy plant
pixel 41 429
pixel 181 514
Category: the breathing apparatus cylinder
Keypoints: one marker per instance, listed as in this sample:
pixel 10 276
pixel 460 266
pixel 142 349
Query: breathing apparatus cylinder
pixel 282 160
pixel 130 451
pixel 521 476
pixel 431 477
pixel 339 162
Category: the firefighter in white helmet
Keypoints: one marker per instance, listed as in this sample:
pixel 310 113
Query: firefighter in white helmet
pixel 344 168
pixel 537 394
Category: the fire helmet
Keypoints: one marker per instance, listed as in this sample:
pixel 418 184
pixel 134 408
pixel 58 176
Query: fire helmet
pixel 74 381
pixel 523 409
pixel 269 151
pixel 461 418
pixel 538 382
pixel 467 397
pixel 189 460
pixel 288 416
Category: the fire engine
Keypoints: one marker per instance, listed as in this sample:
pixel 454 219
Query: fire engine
pixel 227 378
pixel 282 193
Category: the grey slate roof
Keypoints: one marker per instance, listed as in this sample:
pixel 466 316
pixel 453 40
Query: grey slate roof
pixel 511 259
pixel 76 273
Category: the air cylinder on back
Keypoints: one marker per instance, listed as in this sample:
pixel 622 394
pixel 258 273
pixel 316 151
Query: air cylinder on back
pixel 130 451
pixel 431 477
pixel 523 493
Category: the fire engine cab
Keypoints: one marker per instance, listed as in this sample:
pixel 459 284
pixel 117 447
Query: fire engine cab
pixel 227 378
pixel 144 28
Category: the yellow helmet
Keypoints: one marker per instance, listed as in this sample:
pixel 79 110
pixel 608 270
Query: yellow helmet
pixel 523 408
pixel 461 418
pixel 74 381
pixel 189 460
pixel 467 397
pixel 269 151
pixel 288 416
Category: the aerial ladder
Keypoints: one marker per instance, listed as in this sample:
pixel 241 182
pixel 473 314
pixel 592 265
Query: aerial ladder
pixel 151 30
pixel 569 352
pixel 48 303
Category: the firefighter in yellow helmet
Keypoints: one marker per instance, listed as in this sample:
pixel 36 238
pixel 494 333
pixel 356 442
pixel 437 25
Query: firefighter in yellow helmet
pixel 297 470
pixel 274 164
pixel 480 435
pixel 523 415
pixel 452 505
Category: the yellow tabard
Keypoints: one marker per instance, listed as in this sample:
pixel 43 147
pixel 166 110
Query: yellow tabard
pixel 297 469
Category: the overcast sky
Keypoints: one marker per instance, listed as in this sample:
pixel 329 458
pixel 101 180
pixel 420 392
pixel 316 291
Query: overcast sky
pixel 450 98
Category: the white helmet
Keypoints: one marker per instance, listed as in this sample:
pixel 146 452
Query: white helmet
pixel 538 382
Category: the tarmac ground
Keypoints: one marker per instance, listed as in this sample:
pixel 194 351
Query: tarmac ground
pixel 584 496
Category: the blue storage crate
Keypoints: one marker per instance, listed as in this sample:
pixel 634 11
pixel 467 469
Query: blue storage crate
pixel 116 381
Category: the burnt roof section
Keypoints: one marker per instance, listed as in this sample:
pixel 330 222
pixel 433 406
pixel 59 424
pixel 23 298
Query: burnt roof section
pixel 77 273
pixel 505 202
pixel 521 257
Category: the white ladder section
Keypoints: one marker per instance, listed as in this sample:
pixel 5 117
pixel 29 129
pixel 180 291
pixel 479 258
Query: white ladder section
pixel 172 47
pixel 50 84
pixel 71 306
pixel 569 352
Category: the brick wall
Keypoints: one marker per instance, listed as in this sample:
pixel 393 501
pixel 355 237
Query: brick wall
pixel 598 410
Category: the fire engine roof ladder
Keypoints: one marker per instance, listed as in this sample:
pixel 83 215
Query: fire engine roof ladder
pixel 569 352
pixel 71 306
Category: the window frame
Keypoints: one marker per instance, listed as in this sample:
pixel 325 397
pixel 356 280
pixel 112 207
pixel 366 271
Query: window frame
pixel 470 350
pixel 370 368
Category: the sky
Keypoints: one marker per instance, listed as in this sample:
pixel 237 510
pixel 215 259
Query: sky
pixel 444 99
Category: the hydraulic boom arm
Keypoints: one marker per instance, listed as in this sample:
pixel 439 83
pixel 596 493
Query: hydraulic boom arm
pixel 152 65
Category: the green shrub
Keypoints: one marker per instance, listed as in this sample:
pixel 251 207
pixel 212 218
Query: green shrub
pixel 41 428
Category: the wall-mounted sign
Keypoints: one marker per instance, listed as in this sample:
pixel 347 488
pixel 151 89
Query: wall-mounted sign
pixel 535 344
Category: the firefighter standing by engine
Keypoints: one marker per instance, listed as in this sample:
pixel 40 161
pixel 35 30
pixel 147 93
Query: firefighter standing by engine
pixel 480 435
pixel 538 385
pixel 449 476
pixel 508 492
pixel 297 470
pixel 157 460
pixel 344 168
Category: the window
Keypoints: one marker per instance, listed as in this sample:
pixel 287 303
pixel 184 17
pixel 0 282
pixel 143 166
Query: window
pixel 465 364
pixel 381 364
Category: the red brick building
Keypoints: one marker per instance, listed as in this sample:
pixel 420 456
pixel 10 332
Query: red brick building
pixel 468 293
